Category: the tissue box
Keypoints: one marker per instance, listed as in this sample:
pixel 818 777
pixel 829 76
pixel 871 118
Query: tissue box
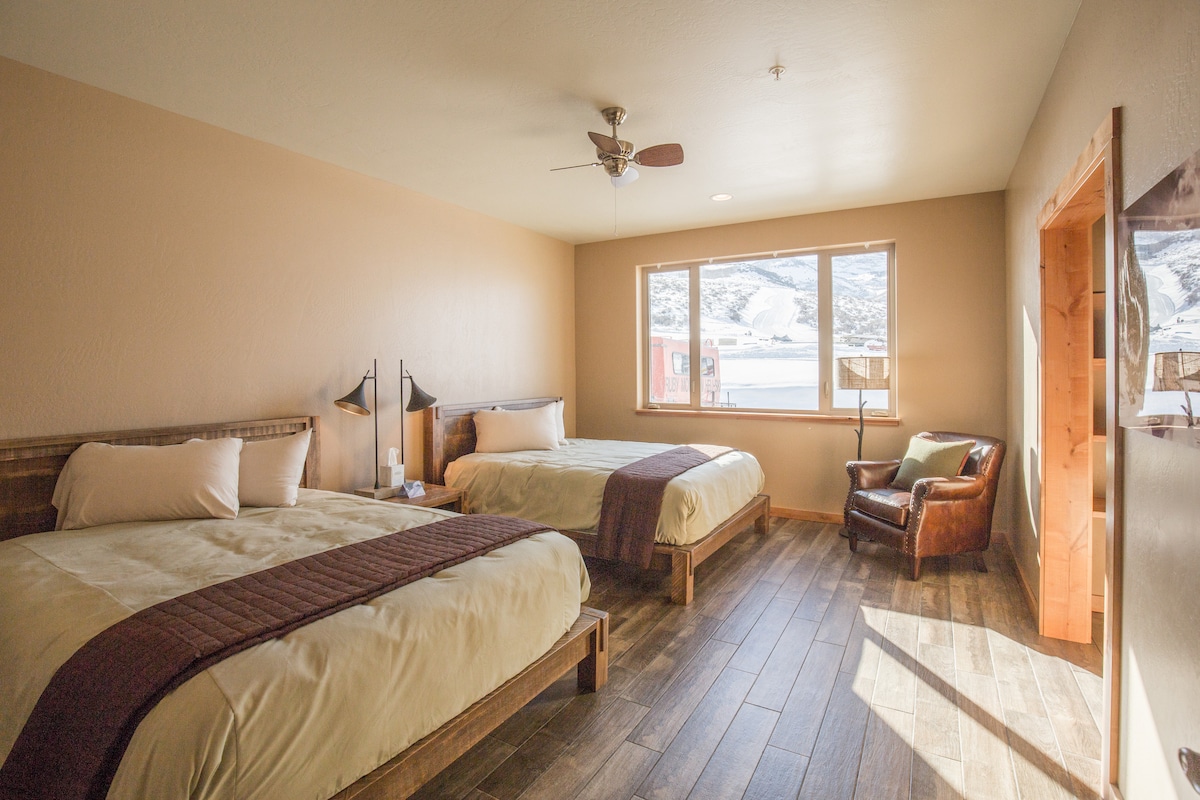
pixel 391 475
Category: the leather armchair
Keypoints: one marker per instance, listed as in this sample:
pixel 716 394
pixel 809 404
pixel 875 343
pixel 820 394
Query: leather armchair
pixel 939 516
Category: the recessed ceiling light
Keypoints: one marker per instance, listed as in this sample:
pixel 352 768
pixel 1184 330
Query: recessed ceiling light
pixel 721 198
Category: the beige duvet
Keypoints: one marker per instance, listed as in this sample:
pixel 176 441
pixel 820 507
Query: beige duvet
pixel 564 488
pixel 301 716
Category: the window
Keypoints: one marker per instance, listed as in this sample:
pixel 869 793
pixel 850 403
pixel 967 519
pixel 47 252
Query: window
pixel 768 333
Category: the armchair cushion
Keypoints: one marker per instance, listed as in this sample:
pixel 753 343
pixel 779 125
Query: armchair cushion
pixel 889 505
pixel 927 458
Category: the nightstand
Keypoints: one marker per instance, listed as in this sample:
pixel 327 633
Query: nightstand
pixel 435 497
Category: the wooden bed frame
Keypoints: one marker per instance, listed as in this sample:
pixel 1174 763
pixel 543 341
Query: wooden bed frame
pixel 450 433
pixel 29 468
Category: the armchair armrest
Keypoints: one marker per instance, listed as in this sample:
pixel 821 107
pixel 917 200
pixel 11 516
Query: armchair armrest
pixel 949 515
pixel 963 487
pixel 871 474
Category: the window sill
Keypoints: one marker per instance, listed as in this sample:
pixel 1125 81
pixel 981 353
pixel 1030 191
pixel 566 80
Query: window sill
pixel 767 415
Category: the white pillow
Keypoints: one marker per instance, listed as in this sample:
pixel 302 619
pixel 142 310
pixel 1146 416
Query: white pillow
pixel 104 483
pixel 271 470
pixel 558 420
pixel 506 431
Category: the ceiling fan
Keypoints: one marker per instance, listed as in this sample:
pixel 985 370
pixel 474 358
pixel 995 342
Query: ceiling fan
pixel 617 156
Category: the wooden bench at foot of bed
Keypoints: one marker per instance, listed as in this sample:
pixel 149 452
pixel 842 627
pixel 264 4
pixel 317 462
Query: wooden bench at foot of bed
pixel 682 560
pixel 584 646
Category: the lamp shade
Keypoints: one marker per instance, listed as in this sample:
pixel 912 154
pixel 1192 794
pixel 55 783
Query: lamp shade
pixel 625 178
pixel 419 399
pixel 864 372
pixel 1177 371
pixel 356 401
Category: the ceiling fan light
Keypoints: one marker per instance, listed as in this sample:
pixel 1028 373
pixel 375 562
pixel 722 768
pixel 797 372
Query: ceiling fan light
pixel 625 178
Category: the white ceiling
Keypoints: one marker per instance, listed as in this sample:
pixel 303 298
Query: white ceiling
pixel 474 101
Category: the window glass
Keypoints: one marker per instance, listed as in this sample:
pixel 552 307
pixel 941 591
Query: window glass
pixel 860 327
pixel 670 337
pixel 758 322
pixel 801 332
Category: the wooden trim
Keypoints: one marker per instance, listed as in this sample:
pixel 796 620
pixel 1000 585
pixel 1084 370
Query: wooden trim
pixel 1094 186
pixel 1066 431
pixel 1114 489
pixel 1070 188
pixel 682 560
pixel 29 468
pixel 1066 441
pixel 584 646
pixel 808 516
pixel 766 416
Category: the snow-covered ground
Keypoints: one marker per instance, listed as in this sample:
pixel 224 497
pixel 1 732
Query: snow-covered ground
pixel 783 383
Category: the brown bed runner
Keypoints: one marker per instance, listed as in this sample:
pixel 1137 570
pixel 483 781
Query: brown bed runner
pixel 73 741
pixel 633 499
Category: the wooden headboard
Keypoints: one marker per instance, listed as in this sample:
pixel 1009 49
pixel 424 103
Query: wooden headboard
pixel 450 431
pixel 29 468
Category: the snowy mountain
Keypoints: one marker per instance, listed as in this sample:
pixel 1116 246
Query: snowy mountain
pixel 776 300
pixel 1171 263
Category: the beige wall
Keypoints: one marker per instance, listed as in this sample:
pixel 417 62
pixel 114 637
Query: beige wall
pixel 951 352
pixel 156 271
pixel 1141 55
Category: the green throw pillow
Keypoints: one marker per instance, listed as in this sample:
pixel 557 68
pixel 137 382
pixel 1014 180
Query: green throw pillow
pixel 929 459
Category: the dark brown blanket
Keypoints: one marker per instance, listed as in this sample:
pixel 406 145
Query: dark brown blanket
pixel 633 499
pixel 73 741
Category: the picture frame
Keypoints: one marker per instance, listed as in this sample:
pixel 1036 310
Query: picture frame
pixel 1158 284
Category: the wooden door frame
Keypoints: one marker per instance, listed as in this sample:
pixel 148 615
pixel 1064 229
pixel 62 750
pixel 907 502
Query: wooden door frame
pixel 1090 189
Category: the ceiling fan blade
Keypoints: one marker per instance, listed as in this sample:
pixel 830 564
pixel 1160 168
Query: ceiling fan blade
pixel 660 155
pixel 605 143
pixel 576 166
pixel 625 178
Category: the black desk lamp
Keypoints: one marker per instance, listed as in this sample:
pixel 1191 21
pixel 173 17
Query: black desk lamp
pixel 417 401
pixel 356 403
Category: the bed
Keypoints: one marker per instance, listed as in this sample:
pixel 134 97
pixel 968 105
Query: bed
pixel 310 714
pixel 450 444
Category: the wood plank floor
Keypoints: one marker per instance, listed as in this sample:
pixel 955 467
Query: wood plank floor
pixel 802 670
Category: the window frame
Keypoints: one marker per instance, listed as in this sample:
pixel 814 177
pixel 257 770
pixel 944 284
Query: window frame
pixel 826 362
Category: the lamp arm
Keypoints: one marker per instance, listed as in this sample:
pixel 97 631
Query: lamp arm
pixel 375 400
pixel 402 466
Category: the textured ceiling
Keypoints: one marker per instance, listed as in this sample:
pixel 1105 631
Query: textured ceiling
pixel 474 102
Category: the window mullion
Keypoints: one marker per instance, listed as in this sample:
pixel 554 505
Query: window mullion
pixel 644 342
pixel 892 345
pixel 694 368
pixel 825 325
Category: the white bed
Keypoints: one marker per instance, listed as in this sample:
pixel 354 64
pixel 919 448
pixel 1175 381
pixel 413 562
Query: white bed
pixel 311 713
pixel 702 509
pixel 564 488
